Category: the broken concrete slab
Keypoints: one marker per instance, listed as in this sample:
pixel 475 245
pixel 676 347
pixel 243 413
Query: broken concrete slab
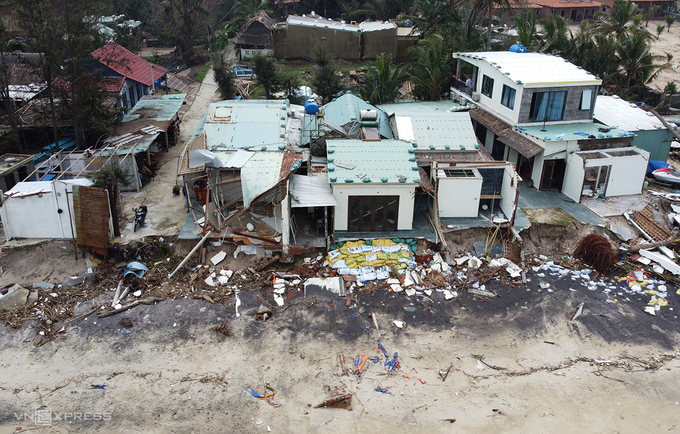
pixel 332 284
pixel 662 260
pixel 218 257
pixel 16 296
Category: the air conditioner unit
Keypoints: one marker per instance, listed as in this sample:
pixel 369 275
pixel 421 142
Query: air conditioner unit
pixel 475 96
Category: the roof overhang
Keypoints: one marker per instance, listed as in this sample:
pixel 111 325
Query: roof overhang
pixel 506 134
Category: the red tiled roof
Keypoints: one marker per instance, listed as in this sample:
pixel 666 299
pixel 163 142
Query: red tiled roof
pixel 113 84
pixel 128 64
pixel 569 4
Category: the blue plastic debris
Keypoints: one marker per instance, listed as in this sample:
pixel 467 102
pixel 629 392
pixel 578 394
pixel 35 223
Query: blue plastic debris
pixel 136 268
pixel 264 398
pixel 381 390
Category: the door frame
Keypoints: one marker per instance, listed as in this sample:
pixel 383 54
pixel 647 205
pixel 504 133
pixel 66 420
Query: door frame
pixel 386 227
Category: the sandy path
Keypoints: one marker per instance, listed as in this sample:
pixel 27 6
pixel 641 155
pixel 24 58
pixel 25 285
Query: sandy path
pixel 167 212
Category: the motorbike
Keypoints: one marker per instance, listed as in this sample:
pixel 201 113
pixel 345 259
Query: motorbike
pixel 140 215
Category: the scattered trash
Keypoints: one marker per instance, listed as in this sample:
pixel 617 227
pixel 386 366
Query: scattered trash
pixel 264 398
pixel 383 390
pixel 399 324
pixel 218 257
pixel 341 401
pixel 263 313
pixel 578 312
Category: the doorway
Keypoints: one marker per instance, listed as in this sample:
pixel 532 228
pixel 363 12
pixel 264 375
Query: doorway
pixel 373 213
pixel 553 175
pixel 525 168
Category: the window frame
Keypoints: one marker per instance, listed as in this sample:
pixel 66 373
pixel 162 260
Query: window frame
pixel 511 91
pixel 487 85
pixel 551 95
pixel 590 100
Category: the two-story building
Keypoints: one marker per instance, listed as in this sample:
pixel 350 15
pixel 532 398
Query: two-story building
pixel 536 110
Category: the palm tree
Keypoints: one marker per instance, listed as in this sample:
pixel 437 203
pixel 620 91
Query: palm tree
pixel 618 21
pixel 247 9
pixel 557 34
pixel 430 68
pixel 353 10
pixel 636 62
pixel 670 19
pixel 526 30
pixel 649 13
pixel 382 81
pixel 670 90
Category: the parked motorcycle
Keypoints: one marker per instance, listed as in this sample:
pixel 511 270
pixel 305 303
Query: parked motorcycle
pixel 140 215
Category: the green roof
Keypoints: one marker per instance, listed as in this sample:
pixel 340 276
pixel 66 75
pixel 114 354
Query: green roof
pixel 382 162
pixel 346 109
pixel 253 125
pixel 573 131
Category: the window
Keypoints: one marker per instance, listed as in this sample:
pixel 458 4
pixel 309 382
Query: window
pixel 373 213
pixel 547 106
pixel 586 99
pixel 487 86
pixel 508 97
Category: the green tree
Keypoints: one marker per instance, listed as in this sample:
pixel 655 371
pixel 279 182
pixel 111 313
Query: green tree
pixel 636 62
pixel 659 30
pixel 325 82
pixel 266 74
pixel 224 76
pixel 526 30
pixel 618 21
pixel 247 9
pixel 382 81
pixel 430 68
pixel 670 19
pixel 557 34
pixel 188 19
pixel 670 89
pixel 649 13
pixel 111 177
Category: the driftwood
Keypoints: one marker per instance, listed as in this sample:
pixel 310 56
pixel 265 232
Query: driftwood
pixel 150 300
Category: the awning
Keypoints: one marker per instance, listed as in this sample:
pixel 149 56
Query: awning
pixel 307 191
pixel 519 143
pixel 505 133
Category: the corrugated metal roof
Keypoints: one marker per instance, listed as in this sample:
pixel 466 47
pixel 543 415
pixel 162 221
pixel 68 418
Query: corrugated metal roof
pixel 374 26
pixel 433 127
pixel 387 161
pixel 532 68
pixel 345 109
pixel 156 107
pixel 260 174
pixel 250 125
pixel 320 22
pixel 612 110
pixel 238 159
pixel 310 191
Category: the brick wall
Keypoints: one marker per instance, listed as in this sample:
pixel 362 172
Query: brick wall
pixel 572 111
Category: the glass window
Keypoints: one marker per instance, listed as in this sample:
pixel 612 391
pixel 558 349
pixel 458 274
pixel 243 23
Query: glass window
pixel 487 86
pixel 508 97
pixel 586 99
pixel 547 106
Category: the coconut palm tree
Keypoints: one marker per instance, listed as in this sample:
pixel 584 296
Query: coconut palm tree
pixel 526 30
pixel 619 21
pixel 430 68
pixel 557 34
pixel 635 59
pixel 670 19
pixel 382 82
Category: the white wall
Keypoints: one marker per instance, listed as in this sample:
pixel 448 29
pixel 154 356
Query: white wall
pixel 627 173
pixel 509 191
pixel 406 193
pixel 573 177
pixel 459 197
pixel 37 216
pixel 493 104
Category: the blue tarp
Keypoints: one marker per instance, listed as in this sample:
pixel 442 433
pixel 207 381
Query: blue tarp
pixel 656 164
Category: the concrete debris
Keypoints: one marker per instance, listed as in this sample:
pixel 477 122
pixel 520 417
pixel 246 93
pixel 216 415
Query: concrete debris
pixel 15 296
pixel 218 257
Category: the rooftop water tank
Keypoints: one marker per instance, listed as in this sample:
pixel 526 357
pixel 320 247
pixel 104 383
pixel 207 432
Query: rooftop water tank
pixel 311 107
pixel 518 48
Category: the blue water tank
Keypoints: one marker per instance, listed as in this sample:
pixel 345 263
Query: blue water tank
pixel 311 107
pixel 408 23
pixel 518 48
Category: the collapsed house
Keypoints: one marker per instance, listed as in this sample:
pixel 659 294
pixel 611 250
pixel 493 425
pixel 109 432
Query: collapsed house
pixel 537 110
pixel 267 172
